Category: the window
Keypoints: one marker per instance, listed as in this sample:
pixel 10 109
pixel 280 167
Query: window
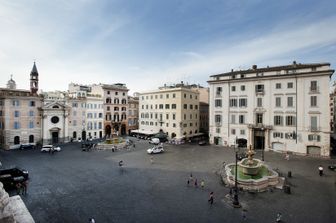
pixel 313 86
pixel 54 120
pixel 174 95
pixel 290 102
pixel 259 88
pixel 241 119
pixel 218 119
pixel 191 96
pixel 16 140
pixel 233 131
pixel 242 132
pixel 16 125
pixel 31 138
pixel 277 102
pixel 277 135
pixel 233 119
pixel 116 93
pixel 278 85
pixel 0 113
pixel 259 102
pixel 16 103
pixel 108 92
pixel 173 106
pixel 174 116
pixel 185 106
pixel 167 116
pixel 218 130
pixel 191 106
pixel 290 120
pixel 196 107
pixel 167 106
pixel 313 137
pixel 174 125
pixel 233 88
pixel 313 101
pixel 185 95
pixel 167 95
pixel 219 91
pixel 259 118
pixel 32 103
pixel 74 123
pixel 242 87
pixel 218 103
pixel 290 85
pixel 160 106
pixel 242 102
pixel 184 116
pixel 74 113
pixel 31 124
pixel 16 114
pixel 313 123
pixel 278 120
pixel 233 102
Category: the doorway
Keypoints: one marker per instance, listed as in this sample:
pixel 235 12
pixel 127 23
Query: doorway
pixel 259 139
pixel 54 137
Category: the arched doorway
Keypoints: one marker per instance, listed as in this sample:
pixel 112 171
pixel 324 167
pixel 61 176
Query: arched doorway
pixel 16 140
pixel 54 137
pixel 83 135
pixel 173 135
pixel 108 130
pixel 123 129
pixel 31 138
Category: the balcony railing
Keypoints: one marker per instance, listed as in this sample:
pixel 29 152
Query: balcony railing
pixel 314 89
pixel 260 91
pixel 314 128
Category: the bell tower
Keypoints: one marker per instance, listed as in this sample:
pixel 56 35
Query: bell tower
pixel 34 80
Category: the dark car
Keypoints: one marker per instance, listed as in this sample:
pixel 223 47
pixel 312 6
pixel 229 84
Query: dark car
pixel 332 167
pixel 27 146
pixel 10 177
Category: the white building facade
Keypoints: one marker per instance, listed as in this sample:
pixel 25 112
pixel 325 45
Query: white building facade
pixel 173 110
pixel 283 108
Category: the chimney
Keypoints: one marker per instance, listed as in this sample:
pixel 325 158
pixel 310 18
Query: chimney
pixel 231 70
pixel 254 67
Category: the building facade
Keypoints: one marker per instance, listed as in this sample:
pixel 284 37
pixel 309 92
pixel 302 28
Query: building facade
pixel 133 113
pixel 20 121
pixel 283 108
pixel 115 106
pixel 171 109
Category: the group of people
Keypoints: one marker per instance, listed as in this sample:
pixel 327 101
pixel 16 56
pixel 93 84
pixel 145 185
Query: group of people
pixel 21 187
pixel 191 182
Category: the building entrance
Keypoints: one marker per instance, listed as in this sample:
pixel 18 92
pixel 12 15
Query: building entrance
pixel 54 137
pixel 259 139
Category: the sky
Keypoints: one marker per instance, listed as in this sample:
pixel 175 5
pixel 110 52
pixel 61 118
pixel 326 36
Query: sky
pixel 146 44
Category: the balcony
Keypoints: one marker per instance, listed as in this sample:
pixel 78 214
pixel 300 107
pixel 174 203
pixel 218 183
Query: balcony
pixel 218 123
pixel 259 126
pixel 260 91
pixel 314 129
pixel 314 90
pixel 218 94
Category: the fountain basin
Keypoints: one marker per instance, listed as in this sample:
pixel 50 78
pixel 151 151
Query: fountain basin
pixel 250 169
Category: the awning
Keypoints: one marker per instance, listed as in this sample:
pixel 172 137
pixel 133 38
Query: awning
pixel 140 131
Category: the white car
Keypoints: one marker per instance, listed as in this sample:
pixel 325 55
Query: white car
pixel 155 149
pixel 48 148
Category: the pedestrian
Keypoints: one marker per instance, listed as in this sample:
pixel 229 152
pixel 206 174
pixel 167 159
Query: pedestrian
pixel 244 215
pixel 24 187
pixel 287 156
pixel 191 178
pixel 202 184
pixel 18 188
pixel 320 168
pixel 134 145
pixel 152 159
pixel 278 217
pixel 91 220
pixel 121 163
pixel 211 198
pixel 188 182
pixel 196 182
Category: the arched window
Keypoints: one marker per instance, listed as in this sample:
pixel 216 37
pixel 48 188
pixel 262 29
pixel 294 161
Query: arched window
pixel 123 101
pixel 108 100
pixel 16 140
pixel 116 101
pixel 55 106
pixel 31 138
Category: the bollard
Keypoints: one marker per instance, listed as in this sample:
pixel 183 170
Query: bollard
pixel 289 174
pixel 287 189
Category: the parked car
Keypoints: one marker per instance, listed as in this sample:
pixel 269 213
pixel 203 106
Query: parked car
pixel 332 167
pixel 155 141
pixel 155 149
pixel 10 177
pixel 202 143
pixel 27 146
pixel 48 148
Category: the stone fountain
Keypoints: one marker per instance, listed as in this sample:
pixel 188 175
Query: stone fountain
pixel 253 174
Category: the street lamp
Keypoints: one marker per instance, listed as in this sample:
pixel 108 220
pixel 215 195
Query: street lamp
pixel 235 202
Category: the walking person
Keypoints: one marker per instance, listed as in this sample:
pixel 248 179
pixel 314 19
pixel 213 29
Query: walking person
pixel 188 182
pixel 191 179
pixel 24 187
pixel 91 220
pixel 152 159
pixel 211 198
pixel 287 156
pixel 320 168
pixel 202 184
pixel 18 188
pixel 196 182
